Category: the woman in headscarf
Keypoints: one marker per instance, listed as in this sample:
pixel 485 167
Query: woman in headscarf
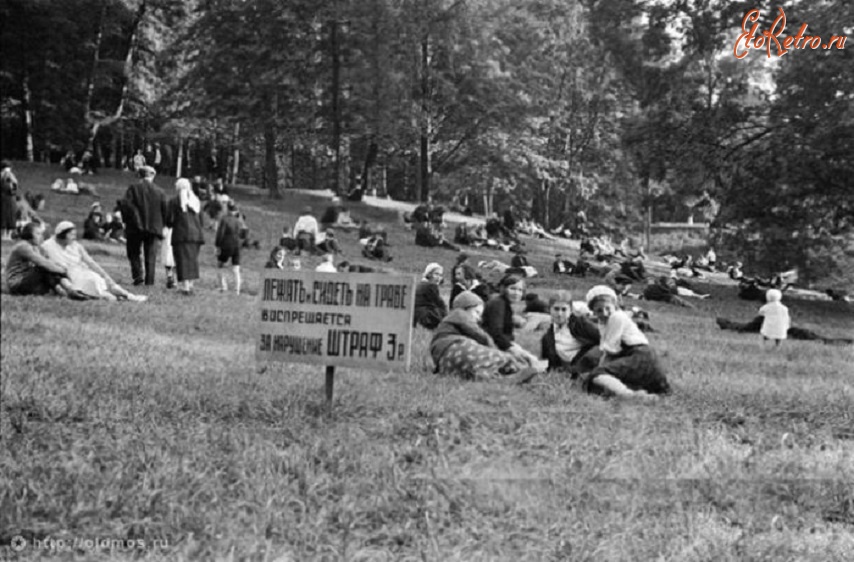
pixel 499 322
pixel 629 367
pixel 430 309
pixel 460 347
pixel 183 217
pixel 85 274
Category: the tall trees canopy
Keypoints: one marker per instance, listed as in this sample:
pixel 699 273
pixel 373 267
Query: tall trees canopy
pixel 632 110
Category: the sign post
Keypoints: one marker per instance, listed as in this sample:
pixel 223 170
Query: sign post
pixel 330 383
pixel 359 320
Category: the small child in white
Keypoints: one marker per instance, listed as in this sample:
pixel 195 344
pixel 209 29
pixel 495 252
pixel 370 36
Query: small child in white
pixel 326 265
pixel 775 322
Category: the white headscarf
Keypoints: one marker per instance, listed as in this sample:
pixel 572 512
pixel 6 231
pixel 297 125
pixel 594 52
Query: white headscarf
pixel 186 196
pixel 430 269
pixel 773 295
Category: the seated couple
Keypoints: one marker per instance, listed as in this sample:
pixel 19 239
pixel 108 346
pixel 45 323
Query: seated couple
pixel 60 265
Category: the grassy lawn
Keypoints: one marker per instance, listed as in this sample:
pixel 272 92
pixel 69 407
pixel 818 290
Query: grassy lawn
pixel 151 421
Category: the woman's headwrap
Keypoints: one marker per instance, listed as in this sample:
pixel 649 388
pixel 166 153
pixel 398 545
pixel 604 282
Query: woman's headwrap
pixel 186 196
pixel 431 267
pixel 600 291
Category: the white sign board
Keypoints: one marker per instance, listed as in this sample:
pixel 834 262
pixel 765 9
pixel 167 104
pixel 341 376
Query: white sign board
pixel 335 319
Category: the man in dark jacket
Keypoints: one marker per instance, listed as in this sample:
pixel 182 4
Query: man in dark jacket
pixel 144 212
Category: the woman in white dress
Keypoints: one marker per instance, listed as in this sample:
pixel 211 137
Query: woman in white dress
pixel 84 273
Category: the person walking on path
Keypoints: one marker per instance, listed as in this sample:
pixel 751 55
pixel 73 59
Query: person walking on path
pixel 144 213
pixel 183 216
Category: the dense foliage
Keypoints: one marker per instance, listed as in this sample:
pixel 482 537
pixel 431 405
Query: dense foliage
pixel 633 110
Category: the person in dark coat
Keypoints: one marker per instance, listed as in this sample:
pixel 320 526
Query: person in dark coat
pixel 664 289
pixel 509 220
pixel 183 216
pixel 143 211
pixel 8 205
pixel 430 309
pixel 94 227
pixel 571 342
pixel 498 318
pixel 463 277
pixel 228 246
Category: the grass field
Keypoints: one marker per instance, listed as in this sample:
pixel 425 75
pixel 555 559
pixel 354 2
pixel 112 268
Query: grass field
pixel 151 421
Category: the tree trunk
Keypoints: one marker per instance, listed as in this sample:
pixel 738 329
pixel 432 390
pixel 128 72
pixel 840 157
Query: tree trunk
pixel 91 119
pixel 180 164
pixel 425 120
pixel 336 109
pixel 647 222
pixel 236 162
pixel 28 119
pixel 271 173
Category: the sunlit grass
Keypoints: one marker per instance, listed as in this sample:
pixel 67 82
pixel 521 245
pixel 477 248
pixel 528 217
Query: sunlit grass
pixel 152 420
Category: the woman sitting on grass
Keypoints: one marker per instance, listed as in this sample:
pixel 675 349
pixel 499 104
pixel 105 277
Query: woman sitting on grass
pixel 30 272
pixel 461 348
pixel 430 309
pixel 629 367
pixel 499 321
pixel 278 259
pixel 571 342
pixel 85 274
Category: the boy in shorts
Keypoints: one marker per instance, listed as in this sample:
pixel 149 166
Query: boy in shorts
pixel 228 246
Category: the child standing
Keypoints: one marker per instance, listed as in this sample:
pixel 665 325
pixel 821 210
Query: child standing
pixel 775 317
pixel 228 246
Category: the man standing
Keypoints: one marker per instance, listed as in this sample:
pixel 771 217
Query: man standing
pixel 144 212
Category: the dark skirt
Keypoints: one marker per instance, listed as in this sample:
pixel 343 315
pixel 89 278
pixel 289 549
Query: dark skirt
pixel 186 256
pixel 8 211
pixel 638 367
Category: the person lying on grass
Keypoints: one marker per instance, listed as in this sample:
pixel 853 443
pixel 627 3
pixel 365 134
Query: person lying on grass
pixel 499 321
pixel 628 367
pixel 30 272
pixel 571 342
pixel 794 332
pixel 664 289
pixel 461 348
pixel 85 274
pixel 684 288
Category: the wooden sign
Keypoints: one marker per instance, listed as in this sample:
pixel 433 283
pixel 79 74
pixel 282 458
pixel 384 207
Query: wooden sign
pixel 335 319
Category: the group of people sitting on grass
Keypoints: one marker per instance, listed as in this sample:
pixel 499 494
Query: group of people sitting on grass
pixel 59 265
pixel 475 340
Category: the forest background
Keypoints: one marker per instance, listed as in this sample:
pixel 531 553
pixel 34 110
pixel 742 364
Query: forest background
pixel 635 111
